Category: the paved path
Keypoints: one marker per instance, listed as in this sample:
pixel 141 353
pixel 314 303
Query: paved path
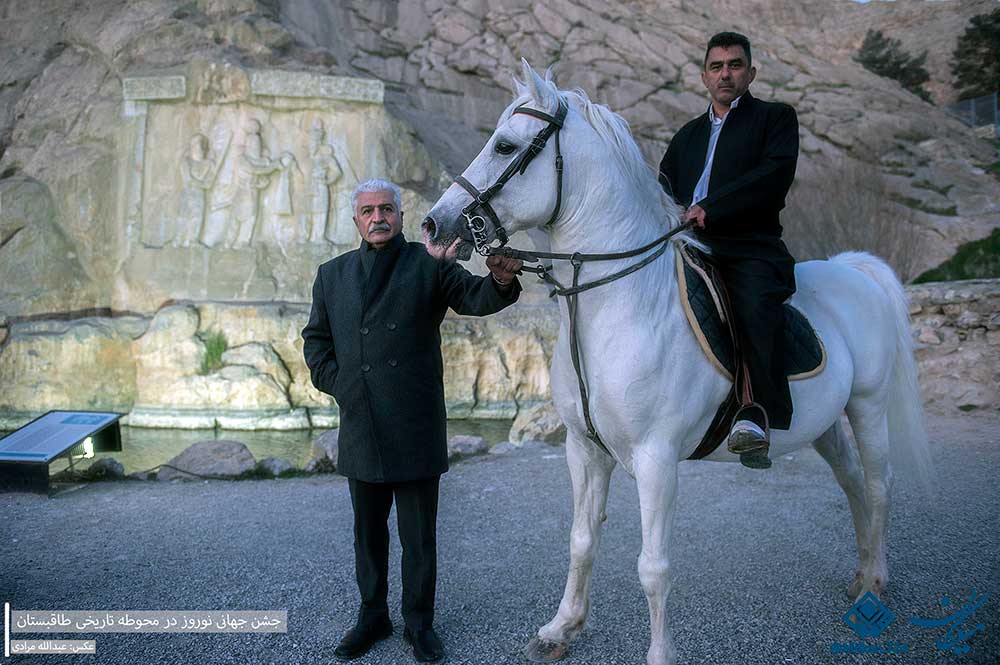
pixel 286 544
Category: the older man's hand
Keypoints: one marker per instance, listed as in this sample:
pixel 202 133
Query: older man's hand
pixel 504 269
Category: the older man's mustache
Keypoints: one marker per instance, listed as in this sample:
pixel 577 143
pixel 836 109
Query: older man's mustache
pixel 379 226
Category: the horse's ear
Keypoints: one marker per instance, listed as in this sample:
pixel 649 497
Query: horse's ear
pixel 535 86
pixel 520 88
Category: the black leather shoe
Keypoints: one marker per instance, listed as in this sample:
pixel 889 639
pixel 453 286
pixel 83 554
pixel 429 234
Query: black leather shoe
pixel 360 639
pixel 427 647
pixel 756 460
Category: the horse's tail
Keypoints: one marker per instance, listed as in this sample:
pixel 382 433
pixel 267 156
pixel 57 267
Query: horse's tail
pixel 907 434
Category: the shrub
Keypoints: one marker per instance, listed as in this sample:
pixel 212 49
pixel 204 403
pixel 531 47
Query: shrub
pixel 885 56
pixel 215 346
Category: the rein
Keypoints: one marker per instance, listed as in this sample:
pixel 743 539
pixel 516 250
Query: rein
pixel 477 226
pixel 572 292
pixel 481 199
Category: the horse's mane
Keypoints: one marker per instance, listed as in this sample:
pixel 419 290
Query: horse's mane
pixel 616 134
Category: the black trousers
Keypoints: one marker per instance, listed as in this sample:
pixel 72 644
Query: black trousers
pixel 759 274
pixel 416 515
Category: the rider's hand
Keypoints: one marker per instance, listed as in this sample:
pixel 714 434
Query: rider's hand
pixel 696 213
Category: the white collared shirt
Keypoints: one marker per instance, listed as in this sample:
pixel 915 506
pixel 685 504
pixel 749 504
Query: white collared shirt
pixel 701 189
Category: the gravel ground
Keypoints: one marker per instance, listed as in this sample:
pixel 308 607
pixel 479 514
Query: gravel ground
pixel 761 560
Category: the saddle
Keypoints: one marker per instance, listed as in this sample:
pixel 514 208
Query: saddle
pixel 706 306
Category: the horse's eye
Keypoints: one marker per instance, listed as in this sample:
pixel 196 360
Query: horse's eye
pixel 504 148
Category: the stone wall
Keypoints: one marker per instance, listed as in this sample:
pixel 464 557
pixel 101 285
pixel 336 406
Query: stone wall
pixel 956 328
pixel 151 366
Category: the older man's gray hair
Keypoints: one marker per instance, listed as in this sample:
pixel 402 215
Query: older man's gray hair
pixel 377 185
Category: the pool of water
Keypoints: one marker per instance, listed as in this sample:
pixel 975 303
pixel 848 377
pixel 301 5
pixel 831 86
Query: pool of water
pixel 144 448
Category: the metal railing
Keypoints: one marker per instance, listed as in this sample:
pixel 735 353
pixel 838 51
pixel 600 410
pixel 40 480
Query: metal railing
pixel 978 112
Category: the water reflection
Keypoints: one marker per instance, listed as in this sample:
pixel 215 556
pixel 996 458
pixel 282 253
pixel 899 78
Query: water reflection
pixel 144 448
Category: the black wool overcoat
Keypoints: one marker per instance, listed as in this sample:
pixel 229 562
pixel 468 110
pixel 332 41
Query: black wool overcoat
pixel 753 168
pixel 374 343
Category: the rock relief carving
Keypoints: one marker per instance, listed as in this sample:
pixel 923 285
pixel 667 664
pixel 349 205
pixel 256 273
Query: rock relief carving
pixel 198 172
pixel 326 170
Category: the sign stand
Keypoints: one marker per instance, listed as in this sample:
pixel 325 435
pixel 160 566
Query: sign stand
pixel 26 453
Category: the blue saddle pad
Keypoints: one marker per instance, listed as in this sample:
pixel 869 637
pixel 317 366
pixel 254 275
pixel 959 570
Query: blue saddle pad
pixel 804 355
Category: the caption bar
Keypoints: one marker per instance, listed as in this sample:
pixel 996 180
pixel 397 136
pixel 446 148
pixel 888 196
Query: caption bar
pixel 148 621
pixel 18 647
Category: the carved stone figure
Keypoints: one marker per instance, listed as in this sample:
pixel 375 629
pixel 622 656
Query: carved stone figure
pixel 326 170
pixel 198 171
pixel 254 168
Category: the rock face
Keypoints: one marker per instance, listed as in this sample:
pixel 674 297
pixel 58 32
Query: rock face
pixel 643 60
pixel 495 367
pixel 83 363
pixel 168 151
pixel 171 171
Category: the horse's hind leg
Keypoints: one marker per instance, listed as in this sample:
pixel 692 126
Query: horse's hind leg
pixel 836 448
pixel 590 471
pixel 871 430
pixel 656 477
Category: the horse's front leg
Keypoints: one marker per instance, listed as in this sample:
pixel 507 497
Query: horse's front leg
pixel 590 471
pixel 656 477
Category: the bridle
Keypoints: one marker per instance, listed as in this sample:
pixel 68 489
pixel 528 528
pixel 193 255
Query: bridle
pixel 476 224
pixel 481 199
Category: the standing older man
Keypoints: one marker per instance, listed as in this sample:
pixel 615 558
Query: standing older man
pixel 373 342
pixel 732 167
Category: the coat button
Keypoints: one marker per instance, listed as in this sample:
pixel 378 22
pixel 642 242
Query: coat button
pixel 365 331
pixel 391 326
pixel 366 367
pixel 392 362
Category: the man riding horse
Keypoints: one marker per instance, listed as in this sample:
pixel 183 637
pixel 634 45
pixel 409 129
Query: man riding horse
pixel 732 167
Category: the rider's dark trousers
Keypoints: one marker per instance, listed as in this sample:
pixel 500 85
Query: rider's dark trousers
pixel 416 516
pixel 759 274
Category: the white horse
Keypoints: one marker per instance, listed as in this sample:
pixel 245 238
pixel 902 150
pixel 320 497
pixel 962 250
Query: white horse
pixel 652 390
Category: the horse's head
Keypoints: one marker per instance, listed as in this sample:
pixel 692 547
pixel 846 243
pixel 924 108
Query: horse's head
pixel 514 177
pixel 516 181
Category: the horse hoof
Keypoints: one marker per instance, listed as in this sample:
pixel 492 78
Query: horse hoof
pixel 544 651
pixel 854 590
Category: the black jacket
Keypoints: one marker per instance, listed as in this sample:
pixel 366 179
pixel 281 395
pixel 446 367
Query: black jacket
pixel 374 344
pixel 754 166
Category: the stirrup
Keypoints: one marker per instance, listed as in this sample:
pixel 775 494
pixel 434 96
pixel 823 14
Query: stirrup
pixel 747 436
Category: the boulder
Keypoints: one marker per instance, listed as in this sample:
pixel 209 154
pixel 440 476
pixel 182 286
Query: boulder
pixel 106 468
pixel 274 466
pixel 502 448
pixel 209 458
pixel 539 423
pixel 462 445
pixel 323 455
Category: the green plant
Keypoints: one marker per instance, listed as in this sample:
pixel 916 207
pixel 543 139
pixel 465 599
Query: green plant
pixel 215 346
pixel 973 260
pixel 926 184
pixel 975 57
pixel 917 204
pixel 885 56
